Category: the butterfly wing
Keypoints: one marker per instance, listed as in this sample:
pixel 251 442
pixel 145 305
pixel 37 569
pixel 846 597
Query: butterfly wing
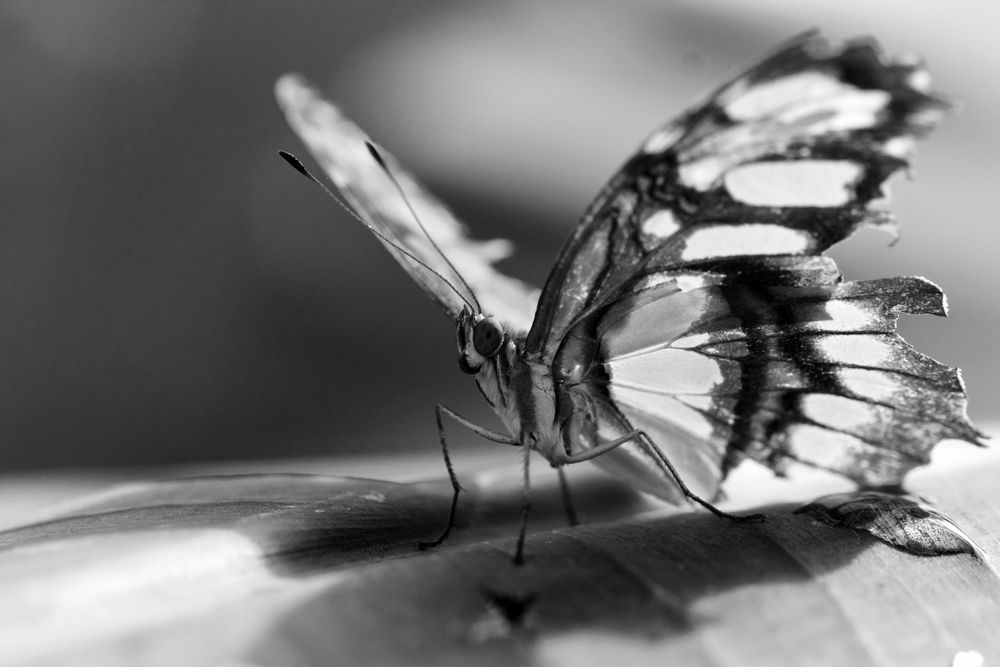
pixel 339 146
pixel 763 359
pixel 695 296
pixel 787 158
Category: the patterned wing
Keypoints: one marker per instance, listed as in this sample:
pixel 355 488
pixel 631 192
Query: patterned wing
pixel 787 159
pixel 693 302
pixel 338 145
pixel 775 359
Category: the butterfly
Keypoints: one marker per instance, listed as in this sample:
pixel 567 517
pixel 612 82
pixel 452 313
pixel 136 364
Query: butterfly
pixel 692 321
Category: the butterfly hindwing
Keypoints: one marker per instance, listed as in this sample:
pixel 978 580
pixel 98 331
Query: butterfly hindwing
pixel 778 370
pixel 339 146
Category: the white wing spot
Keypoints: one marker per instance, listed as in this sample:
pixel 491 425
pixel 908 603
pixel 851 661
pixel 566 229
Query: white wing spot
pixel 688 282
pixel 796 183
pixel 694 340
pixel 702 174
pixel 844 316
pixel 734 241
pixel 766 98
pixel 873 385
pixel 667 371
pixel 661 224
pixel 862 350
pixel 663 138
pixel 920 80
pixel 850 110
pixel 901 147
pixel 837 411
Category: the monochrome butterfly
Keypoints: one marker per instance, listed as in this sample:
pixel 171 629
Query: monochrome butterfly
pixel 691 321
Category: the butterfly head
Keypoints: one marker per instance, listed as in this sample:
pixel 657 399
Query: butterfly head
pixel 480 338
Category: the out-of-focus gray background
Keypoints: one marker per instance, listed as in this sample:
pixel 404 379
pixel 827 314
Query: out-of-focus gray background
pixel 171 291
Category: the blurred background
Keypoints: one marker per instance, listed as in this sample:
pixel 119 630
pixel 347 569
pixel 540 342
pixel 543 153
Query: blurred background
pixel 170 291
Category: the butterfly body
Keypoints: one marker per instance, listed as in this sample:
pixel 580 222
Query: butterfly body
pixel 560 408
pixel 521 391
pixel 691 320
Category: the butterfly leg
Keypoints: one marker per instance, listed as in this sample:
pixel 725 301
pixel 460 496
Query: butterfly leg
pixel 567 499
pixel 640 436
pixel 594 452
pixel 691 495
pixel 525 509
pixel 439 412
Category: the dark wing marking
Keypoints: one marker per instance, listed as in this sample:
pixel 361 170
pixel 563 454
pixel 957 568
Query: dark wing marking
pixel 338 145
pixel 787 159
pixel 763 360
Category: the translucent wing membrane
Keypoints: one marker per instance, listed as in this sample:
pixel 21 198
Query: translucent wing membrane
pixel 338 145
pixel 787 159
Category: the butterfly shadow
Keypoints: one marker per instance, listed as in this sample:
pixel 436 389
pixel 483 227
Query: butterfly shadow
pixel 651 578
pixel 343 578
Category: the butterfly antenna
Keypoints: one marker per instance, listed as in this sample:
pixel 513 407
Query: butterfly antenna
pixel 299 167
pixel 377 156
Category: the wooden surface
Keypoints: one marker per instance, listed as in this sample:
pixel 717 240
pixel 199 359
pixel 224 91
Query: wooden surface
pixel 288 570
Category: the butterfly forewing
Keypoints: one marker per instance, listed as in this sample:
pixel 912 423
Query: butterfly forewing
pixel 787 159
pixel 339 146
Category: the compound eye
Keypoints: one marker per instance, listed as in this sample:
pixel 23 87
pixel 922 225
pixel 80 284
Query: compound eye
pixel 487 337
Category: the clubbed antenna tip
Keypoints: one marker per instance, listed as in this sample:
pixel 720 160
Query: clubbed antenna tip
pixel 292 160
pixel 471 300
pixel 376 155
pixel 388 240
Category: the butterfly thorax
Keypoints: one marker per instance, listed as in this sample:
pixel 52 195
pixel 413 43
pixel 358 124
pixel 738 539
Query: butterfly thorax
pixel 522 391
pixel 548 407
